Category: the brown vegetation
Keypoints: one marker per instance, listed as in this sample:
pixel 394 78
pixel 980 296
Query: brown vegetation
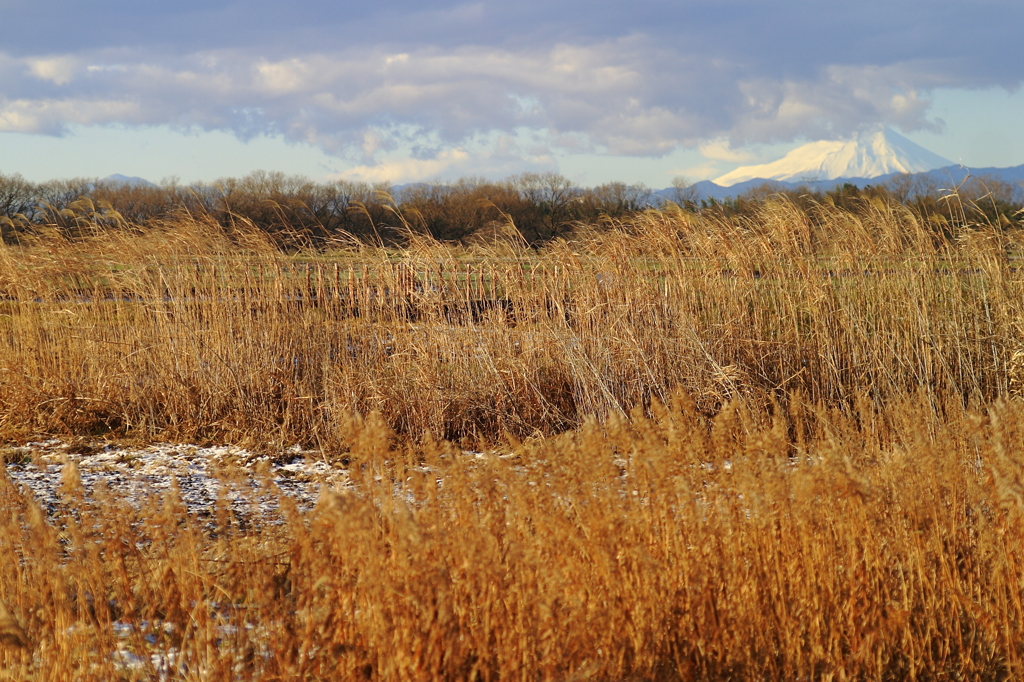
pixel 882 544
pixel 189 330
pixel 298 213
pixel 773 445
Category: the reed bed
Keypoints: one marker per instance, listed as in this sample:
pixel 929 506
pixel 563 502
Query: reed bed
pixel 189 331
pixel 783 446
pixel 885 545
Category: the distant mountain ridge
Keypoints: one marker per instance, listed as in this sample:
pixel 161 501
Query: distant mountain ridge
pixel 130 180
pixel 946 177
pixel 869 154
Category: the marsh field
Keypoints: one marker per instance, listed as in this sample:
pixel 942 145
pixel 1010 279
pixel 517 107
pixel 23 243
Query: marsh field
pixel 683 445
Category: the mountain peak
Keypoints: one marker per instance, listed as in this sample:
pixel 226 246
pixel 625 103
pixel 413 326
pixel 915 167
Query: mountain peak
pixel 130 180
pixel 868 154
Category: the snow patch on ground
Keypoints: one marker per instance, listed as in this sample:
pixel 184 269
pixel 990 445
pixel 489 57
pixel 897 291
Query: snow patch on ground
pixel 201 474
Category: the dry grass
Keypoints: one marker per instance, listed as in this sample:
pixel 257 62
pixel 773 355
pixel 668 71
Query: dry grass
pixel 800 465
pixel 186 332
pixel 882 546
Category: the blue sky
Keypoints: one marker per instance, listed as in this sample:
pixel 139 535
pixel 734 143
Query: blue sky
pixel 404 91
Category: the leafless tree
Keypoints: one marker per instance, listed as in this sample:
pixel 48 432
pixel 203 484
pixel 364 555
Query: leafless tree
pixel 683 191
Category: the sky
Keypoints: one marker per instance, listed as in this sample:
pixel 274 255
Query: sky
pixel 637 92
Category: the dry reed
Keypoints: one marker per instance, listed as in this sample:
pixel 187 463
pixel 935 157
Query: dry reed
pixel 775 447
pixel 883 545
pixel 189 332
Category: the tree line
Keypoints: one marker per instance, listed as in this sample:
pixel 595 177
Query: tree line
pixel 534 208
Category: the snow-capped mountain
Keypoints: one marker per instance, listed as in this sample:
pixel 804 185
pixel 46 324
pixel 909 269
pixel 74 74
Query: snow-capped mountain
pixel 868 154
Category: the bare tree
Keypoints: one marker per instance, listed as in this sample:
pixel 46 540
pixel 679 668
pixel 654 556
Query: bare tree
pixel 618 198
pixel 17 195
pixel 552 195
pixel 683 191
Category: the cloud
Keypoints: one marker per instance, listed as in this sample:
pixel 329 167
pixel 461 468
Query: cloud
pixel 57 70
pixel 409 168
pixel 484 156
pixel 49 116
pixel 703 171
pixel 719 149
pixel 642 79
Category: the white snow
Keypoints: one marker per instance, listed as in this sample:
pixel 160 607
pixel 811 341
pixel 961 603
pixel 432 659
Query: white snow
pixel 137 473
pixel 867 155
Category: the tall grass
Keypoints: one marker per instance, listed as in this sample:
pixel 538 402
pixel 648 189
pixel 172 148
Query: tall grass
pixel 188 331
pixel 883 544
pixel 693 447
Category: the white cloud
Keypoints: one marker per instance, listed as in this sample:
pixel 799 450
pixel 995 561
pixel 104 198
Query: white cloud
pixel 639 80
pixel 406 169
pixel 615 95
pixel 57 70
pixel 50 116
pixel 719 149
pixel 581 91
pixel 493 155
pixel 703 171
pixel 100 68
pixel 282 78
